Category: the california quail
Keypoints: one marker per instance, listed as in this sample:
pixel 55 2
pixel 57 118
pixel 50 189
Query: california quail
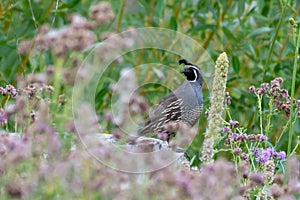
pixel 182 105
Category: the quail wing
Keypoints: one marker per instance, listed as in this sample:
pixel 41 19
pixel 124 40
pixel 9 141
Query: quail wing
pixel 167 110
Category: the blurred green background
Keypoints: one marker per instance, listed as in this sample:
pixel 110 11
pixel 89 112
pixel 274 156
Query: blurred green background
pixel 256 35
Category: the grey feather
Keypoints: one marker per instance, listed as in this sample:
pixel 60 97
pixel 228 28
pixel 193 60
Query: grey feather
pixel 184 104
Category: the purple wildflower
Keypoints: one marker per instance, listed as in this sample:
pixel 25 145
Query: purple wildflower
pixel 226 129
pixel 261 138
pixel 297 102
pixel 252 89
pixel 273 92
pixel 14 93
pixel 265 86
pixel 260 91
pixel 41 127
pixel 263 89
pixel 11 90
pixel 257 178
pixel 276 191
pixel 243 137
pixel 279 79
pixel 235 124
pixel 228 100
pixel 262 159
pixel 251 138
pixel 275 84
pixel 255 151
pixel 281 155
pixel 264 156
pixel 234 136
pixel 271 151
pixel 227 142
pixel 245 156
pixel 2 91
pixel 279 178
pixel 237 151
pixel 266 153
pixel 284 93
pixel 3 117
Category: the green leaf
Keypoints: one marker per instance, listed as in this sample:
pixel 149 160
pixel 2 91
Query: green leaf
pixel 259 31
pixel 250 47
pixel 160 6
pixel 69 3
pixel 201 27
pixel 100 95
pixel 173 23
pixel 236 93
pixel 228 33
pixel 3 37
pixel 236 64
pixel 277 68
pixel 241 8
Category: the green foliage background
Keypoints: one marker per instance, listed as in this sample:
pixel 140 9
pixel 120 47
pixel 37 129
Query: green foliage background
pixel 256 36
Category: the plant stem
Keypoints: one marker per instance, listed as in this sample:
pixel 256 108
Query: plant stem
pixel 260 114
pixel 251 156
pixel 121 16
pixel 284 129
pixel 228 113
pixel 269 116
pixel 291 132
pixel 57 81
pixel 234 158
pixel 274 38
pixel 297 144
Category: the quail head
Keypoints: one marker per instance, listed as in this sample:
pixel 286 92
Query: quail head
pixel 182 105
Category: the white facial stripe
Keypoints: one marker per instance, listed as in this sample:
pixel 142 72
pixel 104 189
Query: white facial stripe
pixel 196 75
pixel 195 69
